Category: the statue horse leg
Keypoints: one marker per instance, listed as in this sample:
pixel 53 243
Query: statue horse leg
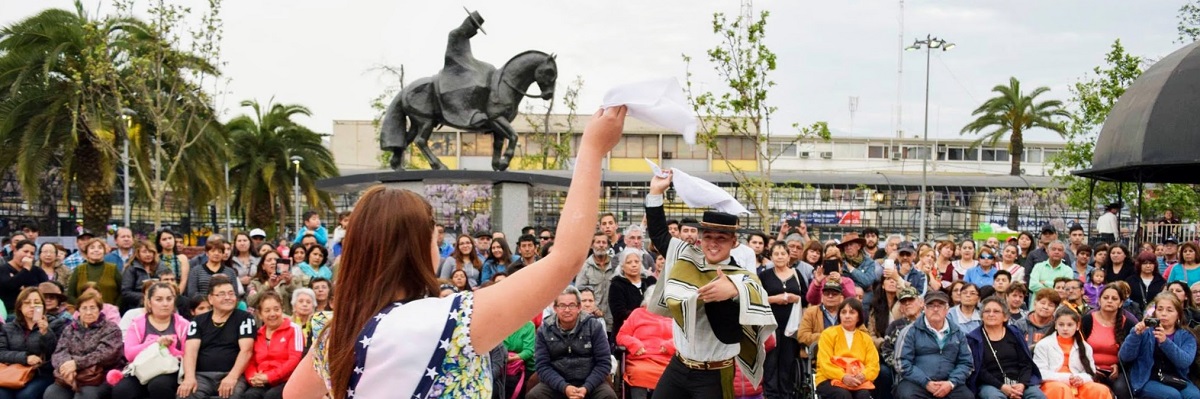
pixel 394 132
pixel 423 129
pixel 502 130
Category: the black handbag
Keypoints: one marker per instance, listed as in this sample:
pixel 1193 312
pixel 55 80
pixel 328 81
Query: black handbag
pixel 1170 379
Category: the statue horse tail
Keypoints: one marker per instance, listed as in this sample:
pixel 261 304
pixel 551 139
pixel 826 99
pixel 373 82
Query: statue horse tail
pixel 393 130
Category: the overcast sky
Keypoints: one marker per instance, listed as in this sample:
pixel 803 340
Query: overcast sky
pixel 321 53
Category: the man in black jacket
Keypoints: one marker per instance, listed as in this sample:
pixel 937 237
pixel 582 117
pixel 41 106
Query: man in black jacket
pixel 571 354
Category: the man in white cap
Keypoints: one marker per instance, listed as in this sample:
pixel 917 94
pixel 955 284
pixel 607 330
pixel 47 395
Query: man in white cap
pixel 720 317
pixel 257 237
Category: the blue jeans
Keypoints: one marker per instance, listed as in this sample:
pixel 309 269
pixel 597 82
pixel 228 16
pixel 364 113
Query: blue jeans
pixel 32 390
pixel 991 392
pixel 1157 390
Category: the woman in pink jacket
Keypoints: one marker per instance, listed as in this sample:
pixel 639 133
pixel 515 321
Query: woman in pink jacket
pixel 647 337
pixel 160 327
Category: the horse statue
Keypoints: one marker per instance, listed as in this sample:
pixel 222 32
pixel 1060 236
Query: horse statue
pixel 467 94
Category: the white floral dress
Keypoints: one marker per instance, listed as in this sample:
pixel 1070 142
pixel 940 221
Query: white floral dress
pixel 421 349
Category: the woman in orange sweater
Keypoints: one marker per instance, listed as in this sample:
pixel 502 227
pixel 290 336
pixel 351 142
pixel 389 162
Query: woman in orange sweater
pixel 647 337
pixel 847 360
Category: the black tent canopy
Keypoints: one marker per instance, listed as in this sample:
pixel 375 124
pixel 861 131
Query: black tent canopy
pixel 1152 134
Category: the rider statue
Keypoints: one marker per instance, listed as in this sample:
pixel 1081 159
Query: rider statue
pixel 464 80
pixel 466 94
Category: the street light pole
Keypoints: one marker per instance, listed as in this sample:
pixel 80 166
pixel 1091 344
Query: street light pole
pixel 127 116
pixel 296 191
pixel 228 216
pixel 928 44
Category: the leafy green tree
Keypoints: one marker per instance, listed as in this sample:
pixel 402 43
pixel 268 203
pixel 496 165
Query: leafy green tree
pixel 179 146
pixel 1189 22
pixel 51 107
pixel 744 63
pixel 1093 98
pixel 261 170
pixel 552 146
pixel 1011 112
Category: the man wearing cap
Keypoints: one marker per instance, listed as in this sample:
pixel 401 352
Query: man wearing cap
pixel 74 260
pixel 257 237
pixel 910 307
pixel 720 316
pixel 932 355
pixel 483 244
pixel 906 267
pixel 1107 225
pixel 817 318
pixel 1170 256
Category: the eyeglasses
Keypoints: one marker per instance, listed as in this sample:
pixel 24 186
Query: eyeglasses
pixel 988 257
pixel 572 306
pixel 546 238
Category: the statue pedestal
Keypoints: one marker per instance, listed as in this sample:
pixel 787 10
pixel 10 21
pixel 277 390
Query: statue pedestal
pixel 510 209
pixel 510 190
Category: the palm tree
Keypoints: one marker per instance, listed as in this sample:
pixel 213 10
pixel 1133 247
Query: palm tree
pixel 43 71
pixel 262 172
pixel 1012 112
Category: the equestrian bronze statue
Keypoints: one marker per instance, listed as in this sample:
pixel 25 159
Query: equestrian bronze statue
pixel 467 94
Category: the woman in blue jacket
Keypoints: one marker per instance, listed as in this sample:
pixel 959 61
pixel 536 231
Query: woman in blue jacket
pixel 1160 356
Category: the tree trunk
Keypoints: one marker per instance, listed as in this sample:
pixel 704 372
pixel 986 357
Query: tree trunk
pixel 1017 147
pixel 97 191
pixel 260 213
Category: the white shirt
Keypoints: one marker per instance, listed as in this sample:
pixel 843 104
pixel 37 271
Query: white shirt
pixel 941 334
pixel 1107 224
pixel 849 337
pixel 744 256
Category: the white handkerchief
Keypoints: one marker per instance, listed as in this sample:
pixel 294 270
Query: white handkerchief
pixel 700 193
pixel 660 102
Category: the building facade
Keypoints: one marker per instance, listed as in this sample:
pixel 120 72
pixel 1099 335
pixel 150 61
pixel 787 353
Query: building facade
pixel 355 147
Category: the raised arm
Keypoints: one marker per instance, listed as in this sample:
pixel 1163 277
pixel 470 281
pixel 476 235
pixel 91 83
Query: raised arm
pixel 656 217
pixel 505 307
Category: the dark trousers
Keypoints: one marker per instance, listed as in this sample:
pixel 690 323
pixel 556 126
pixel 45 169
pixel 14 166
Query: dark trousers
pixel 1119 387
pixel 908 389
pixel 161 387
pixel 275 392
pixel 884 382
pixel 827 390
pixel 679 381
pixel 56 391
pixel 34 389
pixel 779 369
pixel 1108 238
pixel 543 391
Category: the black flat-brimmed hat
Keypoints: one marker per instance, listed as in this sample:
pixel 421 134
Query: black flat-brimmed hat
pixel 717 221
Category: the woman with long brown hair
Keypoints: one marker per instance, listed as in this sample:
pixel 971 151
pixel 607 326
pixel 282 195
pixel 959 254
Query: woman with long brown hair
pixel 943 269
pixel 464 258
pixel 142 266
pixel 388 265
